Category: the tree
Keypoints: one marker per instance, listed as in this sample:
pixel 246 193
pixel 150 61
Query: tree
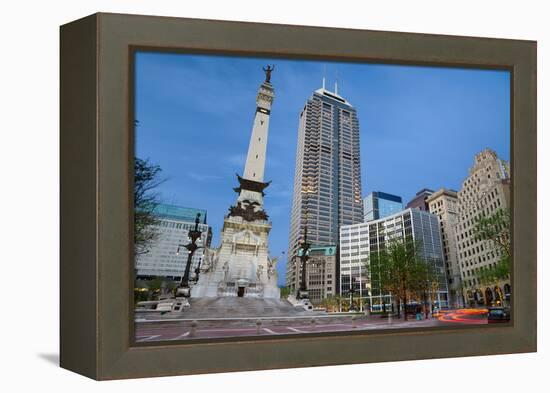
pixel 170 286
pixel 341 303
pixel 140 295
pixel 330 303
pixel 495 229
pixel 285 291
pixel 155 287
pixel 402 271
pixel 146 179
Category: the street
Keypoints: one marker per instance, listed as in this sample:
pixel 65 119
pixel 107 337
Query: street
pixel 173 330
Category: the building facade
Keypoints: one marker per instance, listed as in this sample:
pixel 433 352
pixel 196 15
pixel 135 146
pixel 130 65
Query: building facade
pixel 358 241
pixel 327 179
pixel 444 204
pixel 485 191
pixel 163 259
pixel 321 274
pixel 420 200
pixel 380 204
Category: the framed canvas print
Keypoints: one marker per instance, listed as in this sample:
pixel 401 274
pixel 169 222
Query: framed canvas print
pixel 240 196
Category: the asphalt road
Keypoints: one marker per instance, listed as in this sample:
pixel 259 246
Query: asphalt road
pixel 151 331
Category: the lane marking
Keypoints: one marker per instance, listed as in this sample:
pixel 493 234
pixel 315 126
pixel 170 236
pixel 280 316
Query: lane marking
pixel 148 338
pixel 180 336
pixel 295 330
pixel 270 331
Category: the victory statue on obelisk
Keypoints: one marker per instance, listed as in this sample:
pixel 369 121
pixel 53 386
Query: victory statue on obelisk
pixel 241 265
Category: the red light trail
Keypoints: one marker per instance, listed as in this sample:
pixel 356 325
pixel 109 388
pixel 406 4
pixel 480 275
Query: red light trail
pixel 474 316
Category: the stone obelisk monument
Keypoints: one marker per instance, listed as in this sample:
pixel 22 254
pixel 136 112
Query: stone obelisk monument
pixel 241 265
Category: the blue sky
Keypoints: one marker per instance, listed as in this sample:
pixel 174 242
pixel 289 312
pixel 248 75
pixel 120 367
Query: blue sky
pixel 419 126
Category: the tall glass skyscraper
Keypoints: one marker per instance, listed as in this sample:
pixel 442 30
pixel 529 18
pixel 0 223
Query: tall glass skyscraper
pixel 380 204
pixel 327 179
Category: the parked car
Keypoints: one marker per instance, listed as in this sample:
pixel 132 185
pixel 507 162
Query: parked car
pixel 498 315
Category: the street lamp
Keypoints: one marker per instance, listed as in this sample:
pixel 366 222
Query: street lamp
pixel 194 234
pixel 198 271
pixel 305 246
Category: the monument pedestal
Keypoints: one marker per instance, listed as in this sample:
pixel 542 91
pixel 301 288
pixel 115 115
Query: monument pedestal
pixel 241 266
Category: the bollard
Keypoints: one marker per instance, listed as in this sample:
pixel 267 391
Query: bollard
pixel 193 331
pixel 353 322
pixel 258 326
pixel 313 323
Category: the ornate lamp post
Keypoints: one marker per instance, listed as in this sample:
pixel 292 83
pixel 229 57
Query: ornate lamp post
pixel 194 234
pixel 197 271
pixel 305 246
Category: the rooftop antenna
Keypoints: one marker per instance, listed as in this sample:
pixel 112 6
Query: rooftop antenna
pixel 324 75
pixel 336 84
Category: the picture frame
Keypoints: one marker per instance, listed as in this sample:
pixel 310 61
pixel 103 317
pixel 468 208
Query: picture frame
pixel 96 259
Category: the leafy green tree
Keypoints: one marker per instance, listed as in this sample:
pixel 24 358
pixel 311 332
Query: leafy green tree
pixel 402 271
pixel 170 286
pixel 146 179
pixel 329 303
pixel 155 286
pixel 334 303
pixel 285 291
pixel 140 295
pixel 495 229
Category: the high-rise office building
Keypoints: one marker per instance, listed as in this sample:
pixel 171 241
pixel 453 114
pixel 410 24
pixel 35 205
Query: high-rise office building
pixel 380 204
pixel 163 260
pixel 419 200
pixel 485 191
pixel 358 241
pixel 444 204
pixel 327 179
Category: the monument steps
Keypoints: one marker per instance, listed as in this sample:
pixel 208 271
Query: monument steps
pixel 241 307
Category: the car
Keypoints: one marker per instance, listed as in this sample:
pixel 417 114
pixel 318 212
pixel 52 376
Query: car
pixel 498 315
